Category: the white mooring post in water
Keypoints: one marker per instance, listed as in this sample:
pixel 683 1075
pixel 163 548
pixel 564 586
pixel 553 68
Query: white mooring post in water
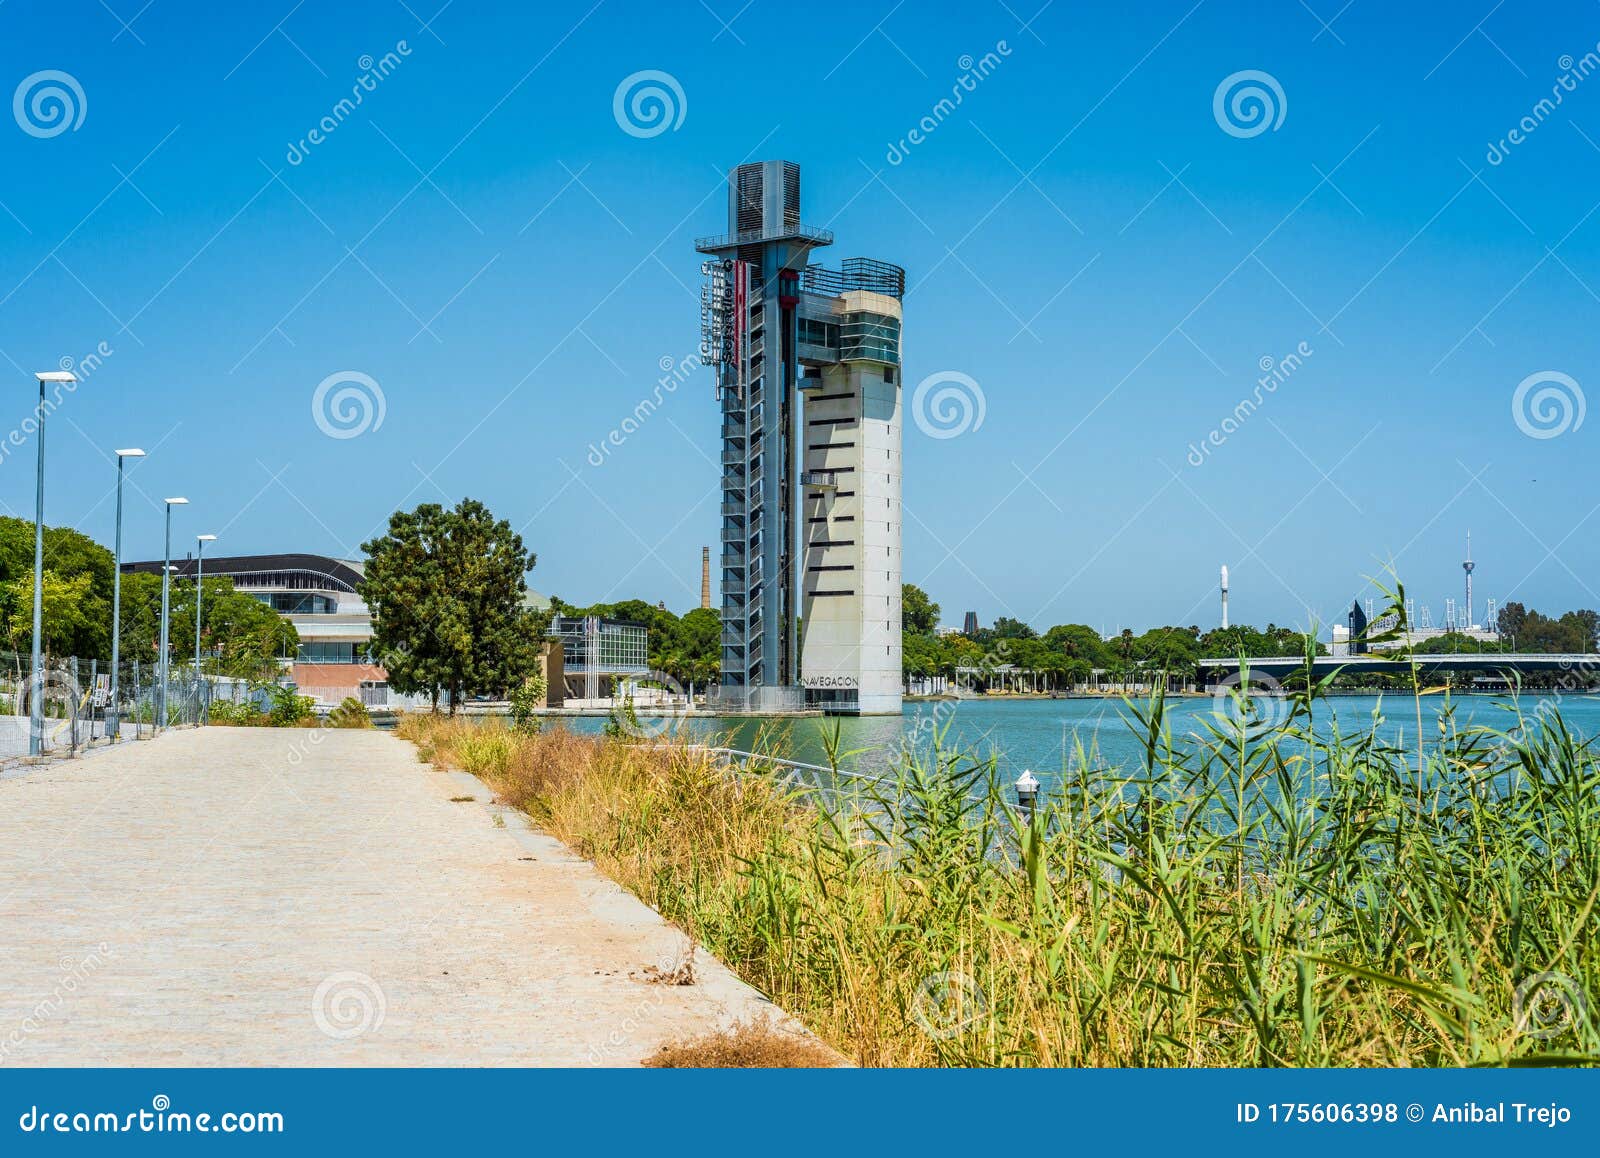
pixel 1027 793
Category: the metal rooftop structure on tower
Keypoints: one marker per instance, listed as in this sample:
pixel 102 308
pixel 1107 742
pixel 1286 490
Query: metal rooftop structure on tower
pixel 806 365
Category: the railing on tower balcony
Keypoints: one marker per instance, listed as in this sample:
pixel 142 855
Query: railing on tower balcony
pixel 796 232
pixel 855 273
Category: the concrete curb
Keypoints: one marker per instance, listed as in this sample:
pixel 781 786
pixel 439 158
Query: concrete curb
pixel 735 999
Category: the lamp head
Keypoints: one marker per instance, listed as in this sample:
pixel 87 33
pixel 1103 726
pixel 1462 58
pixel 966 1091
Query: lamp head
pixel 206 538
pixel 176 502
pixel 56 376
pixel 131 452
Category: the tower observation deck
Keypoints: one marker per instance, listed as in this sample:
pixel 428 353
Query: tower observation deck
pixel 806 361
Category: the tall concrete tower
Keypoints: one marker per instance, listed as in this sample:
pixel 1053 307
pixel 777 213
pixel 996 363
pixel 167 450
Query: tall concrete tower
pixel 705 576
pixel 1224 596
pixel 1467 566
pixel 807 363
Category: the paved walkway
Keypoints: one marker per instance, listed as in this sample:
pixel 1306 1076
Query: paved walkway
pixel 285 897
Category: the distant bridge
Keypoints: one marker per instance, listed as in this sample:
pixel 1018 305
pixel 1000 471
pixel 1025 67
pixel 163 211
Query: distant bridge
pixel 1587 664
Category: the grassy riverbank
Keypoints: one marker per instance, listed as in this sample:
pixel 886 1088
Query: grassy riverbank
pixel 1264 898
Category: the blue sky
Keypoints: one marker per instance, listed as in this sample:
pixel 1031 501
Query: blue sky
pixel 1083 239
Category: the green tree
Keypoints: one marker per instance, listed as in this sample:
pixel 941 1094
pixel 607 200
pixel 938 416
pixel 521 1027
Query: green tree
pixel 240 635
pixel 67 607
pixel 919 615
pixel 82 628
pixel 697 654
pixel 1007 628
pixel 446 591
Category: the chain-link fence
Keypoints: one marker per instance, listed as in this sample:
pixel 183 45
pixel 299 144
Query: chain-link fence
pixel 77 708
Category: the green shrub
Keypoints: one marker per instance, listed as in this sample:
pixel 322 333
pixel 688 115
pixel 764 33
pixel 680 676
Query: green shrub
pixel 486 751
pixel 288 709
pixel 240 715
pixel 525 704
pixel 351 713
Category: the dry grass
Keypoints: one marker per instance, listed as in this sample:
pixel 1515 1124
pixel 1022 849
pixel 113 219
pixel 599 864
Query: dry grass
pixel 748 1046
pixel 1177 914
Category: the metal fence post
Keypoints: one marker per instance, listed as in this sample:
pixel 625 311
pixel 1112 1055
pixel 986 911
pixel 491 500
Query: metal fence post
pixel 74 699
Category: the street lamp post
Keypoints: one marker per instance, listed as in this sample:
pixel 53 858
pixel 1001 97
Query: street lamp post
pixel 166 584
pixel 36 696
pixel 199 590
pixel 114 719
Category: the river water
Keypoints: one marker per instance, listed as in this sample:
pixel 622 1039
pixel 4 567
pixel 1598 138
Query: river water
pixel 1044 735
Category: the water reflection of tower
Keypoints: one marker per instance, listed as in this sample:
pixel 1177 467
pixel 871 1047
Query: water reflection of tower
pixel 1467 566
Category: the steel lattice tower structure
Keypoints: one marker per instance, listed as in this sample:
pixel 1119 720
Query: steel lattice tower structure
pixel 806 365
